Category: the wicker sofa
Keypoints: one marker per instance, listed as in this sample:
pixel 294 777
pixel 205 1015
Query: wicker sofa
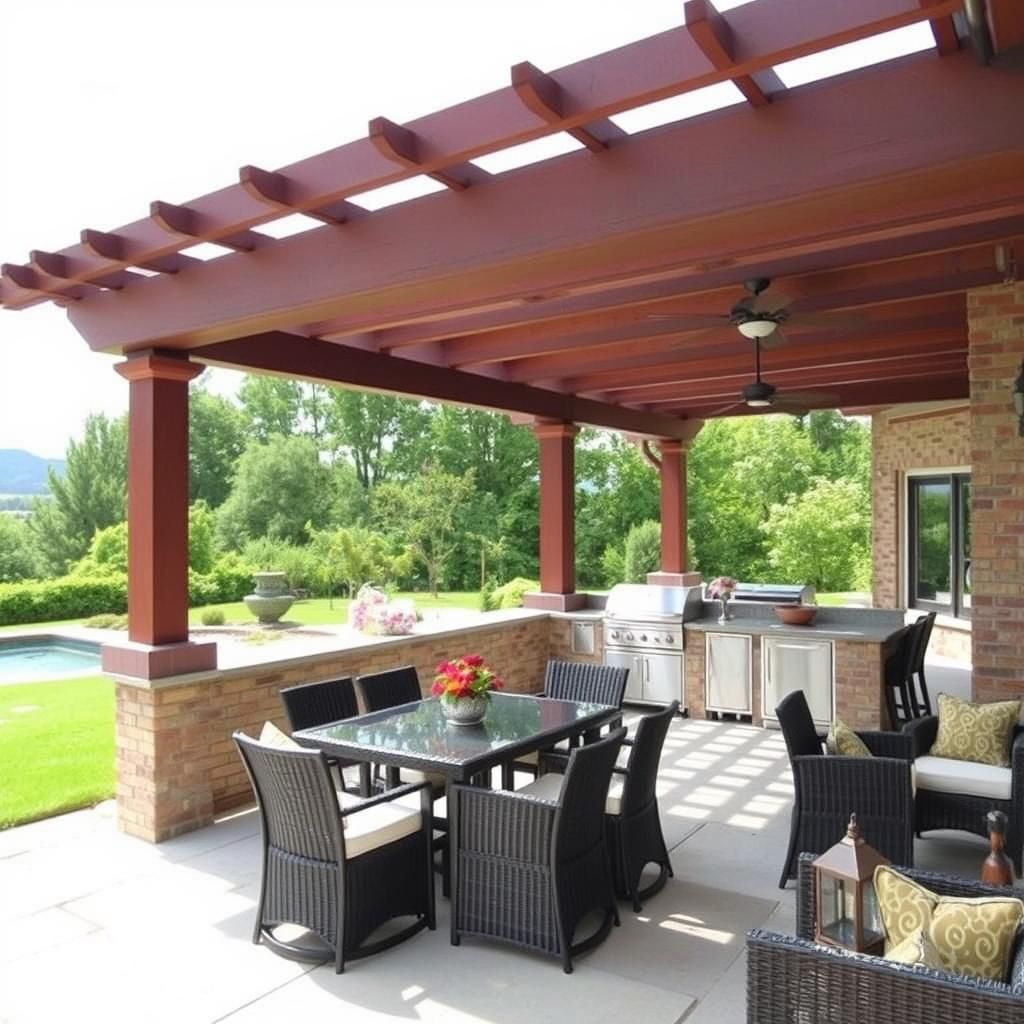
pixel 793 980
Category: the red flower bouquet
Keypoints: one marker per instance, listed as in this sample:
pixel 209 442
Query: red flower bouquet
pixel 468 676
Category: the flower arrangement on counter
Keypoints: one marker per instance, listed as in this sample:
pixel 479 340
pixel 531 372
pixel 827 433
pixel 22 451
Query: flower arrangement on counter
pixel 371 612
pixel 468 676
pixel 721 586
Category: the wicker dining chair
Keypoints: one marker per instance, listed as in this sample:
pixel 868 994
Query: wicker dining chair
pixel 313 704
pixel 340 871
pixel 527 870
pixel 635 838
pixel 572 680
pixel 828 789
pixel 389 689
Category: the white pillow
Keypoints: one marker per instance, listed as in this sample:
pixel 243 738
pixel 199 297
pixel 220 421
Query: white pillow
pixel 271 736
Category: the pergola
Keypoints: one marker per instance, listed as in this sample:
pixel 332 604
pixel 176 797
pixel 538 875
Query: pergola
pixel 889 192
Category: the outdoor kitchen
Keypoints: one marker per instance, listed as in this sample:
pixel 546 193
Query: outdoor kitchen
pixel 676 645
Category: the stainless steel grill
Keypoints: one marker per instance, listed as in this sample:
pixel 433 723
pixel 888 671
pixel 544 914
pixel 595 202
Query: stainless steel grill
pixel 643 632
pixel 773 593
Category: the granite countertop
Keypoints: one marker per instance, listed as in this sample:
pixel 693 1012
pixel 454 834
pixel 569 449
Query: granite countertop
pixel 863 625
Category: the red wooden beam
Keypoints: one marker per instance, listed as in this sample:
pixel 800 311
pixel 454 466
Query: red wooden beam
pixel 55 265
pixel 310 359
pixel 182 220
pixel 542 95
pixel 120 253
pixel 400 145
pixel 624 218
pixel 281 193
pixel 711 32
pixel 943 30
pixel 671 63
pixel 1006 24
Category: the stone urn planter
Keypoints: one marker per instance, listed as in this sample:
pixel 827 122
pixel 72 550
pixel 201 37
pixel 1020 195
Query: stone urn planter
pixel 272 598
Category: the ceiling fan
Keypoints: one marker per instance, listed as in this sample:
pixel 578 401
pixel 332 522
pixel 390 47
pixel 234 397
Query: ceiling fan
pixel 759 315
pixel 759 394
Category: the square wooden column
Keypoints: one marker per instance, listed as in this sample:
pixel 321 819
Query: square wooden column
pixel 158 522
pixel 557 443
pixel 671 466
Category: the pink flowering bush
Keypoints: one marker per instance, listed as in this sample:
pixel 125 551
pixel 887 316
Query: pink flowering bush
pixel 372 612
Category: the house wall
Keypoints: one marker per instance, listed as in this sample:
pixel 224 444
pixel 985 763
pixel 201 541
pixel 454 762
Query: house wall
pixel 996 327
pixel 908 439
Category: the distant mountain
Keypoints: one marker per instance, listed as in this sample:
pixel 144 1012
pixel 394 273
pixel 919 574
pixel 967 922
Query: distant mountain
pixel 22 472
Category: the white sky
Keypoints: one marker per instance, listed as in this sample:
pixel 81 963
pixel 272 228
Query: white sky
pixel 109 104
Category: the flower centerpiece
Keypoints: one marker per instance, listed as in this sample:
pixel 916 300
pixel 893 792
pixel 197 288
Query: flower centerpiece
pixel 720 589
pixel 464 687
pixel 372 612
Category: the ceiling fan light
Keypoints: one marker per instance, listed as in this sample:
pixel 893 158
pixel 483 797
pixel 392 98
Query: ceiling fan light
pixel 759 403
pixel 756 328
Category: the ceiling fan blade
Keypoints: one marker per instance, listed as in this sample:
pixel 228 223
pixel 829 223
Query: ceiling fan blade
pixel 698 319
pixel 775 339
pixel 835 321
pixel 808 398
pixel 769 301
pixel 689 336
pixel 723 410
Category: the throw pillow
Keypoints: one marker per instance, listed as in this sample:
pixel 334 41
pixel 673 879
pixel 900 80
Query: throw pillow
pixel 917 950
pixel 975 732
pixel 972 936
pixel 842 740
pixel 271 736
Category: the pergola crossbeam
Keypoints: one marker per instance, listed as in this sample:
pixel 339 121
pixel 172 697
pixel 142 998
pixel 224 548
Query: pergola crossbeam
pixel 711 32
pixel 542 95
pixel 283 193
pixel 53 264
pixel 183 220
pixel 401 146
pixel 116 249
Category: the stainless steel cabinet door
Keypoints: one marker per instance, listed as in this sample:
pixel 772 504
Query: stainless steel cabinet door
pixel 727 671
pixel 663 678
pixel 795 664
pixel 635 680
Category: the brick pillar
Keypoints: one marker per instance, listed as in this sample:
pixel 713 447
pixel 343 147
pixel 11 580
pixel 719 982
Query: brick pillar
pixel 996 327
pixel 557 443
pixel 158 522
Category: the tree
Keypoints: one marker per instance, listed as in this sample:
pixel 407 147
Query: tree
pixel 216 439
pixel 821 536
pixel 355 556
pixel 366 427
pixel 424 514
pixel 18 558
pixel 271 406
pixel 643 551
pixel 89 496
pixel 202 548
pixel 278 488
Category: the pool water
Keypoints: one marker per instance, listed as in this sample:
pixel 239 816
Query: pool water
pixel 29 661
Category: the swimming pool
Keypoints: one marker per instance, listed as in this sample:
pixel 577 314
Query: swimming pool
pixel 31 659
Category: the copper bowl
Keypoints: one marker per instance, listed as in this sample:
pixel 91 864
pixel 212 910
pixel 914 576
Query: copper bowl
pixel 795 614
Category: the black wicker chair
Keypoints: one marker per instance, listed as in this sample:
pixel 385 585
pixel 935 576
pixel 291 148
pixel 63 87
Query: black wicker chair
pixel 827 790
pixel 965 811
pixel 572 680
pixel 528 870
pixel 381 690
pixel 635 838
pixel 314 704
pixel 792 980
pixel 916 681
pixel 900 703
pixel 339 882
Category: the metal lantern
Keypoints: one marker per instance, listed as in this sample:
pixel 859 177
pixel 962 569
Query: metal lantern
pixel 847 907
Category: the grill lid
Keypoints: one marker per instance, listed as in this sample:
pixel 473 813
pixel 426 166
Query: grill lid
pixel 646 601
pixel 775 593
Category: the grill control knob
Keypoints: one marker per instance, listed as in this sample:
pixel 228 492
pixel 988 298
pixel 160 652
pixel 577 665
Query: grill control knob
pixel 668 638
pixel 643 638
pixel 657 639
pixel 615 634
pixel 629 636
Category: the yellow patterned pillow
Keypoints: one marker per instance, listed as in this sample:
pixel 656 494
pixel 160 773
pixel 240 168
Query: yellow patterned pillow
pixel 271 736
pixel 975 732
pixel 842 740
pixel 917 950
pixel 972 936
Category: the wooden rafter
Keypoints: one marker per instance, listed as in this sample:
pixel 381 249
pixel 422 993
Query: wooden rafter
pixel 182 220
pixel 711 32
pixel 542 95
pixel 441 144
pixel 281 193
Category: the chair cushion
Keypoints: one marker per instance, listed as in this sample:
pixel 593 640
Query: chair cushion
pixel 972 936
pixel 379 825
pixel 271 736
pixel 436 779
pixel 530 757
pixel 976 732
pixel 842 740
pixel 917 950
pixel 968 778
pixel 549 787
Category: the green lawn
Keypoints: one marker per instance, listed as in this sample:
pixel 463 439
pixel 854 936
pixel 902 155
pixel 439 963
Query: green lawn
pixel 847 597
pixel 56 747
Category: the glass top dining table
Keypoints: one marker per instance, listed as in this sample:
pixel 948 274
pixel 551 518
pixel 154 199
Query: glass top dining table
pixel 418 736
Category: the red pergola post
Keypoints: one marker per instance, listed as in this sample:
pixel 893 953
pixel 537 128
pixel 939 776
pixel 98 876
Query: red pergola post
pixel 557 519
pixel 158 521
pixel 672 476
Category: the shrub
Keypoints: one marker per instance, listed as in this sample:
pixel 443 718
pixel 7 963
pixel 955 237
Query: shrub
pixel 213 617
pixel 487 596
pixel 298 563
pixel 643 551
pixel 69 597
pixel 107 621
pixel 613 564
pixel 230 580
pixel 510 595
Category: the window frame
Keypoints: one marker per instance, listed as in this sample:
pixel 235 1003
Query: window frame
pixel 957 479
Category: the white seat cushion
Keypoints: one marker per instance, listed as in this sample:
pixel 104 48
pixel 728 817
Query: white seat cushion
pixel 531 757
pixel 549 787
pixel 414 776
pixel 944 775
pixel 377 826
pixel 271 736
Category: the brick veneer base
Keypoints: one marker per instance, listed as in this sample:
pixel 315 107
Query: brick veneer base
pixel 177 765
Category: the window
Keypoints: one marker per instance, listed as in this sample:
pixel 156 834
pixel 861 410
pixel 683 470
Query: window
pixel 940 543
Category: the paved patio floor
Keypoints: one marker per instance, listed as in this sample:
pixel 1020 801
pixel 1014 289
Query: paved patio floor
pixel 98 926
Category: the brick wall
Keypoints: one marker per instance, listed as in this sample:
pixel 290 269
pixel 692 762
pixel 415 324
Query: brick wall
pixel 561 642
pixel 177 764
pixel 996 326
pixel 905 439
